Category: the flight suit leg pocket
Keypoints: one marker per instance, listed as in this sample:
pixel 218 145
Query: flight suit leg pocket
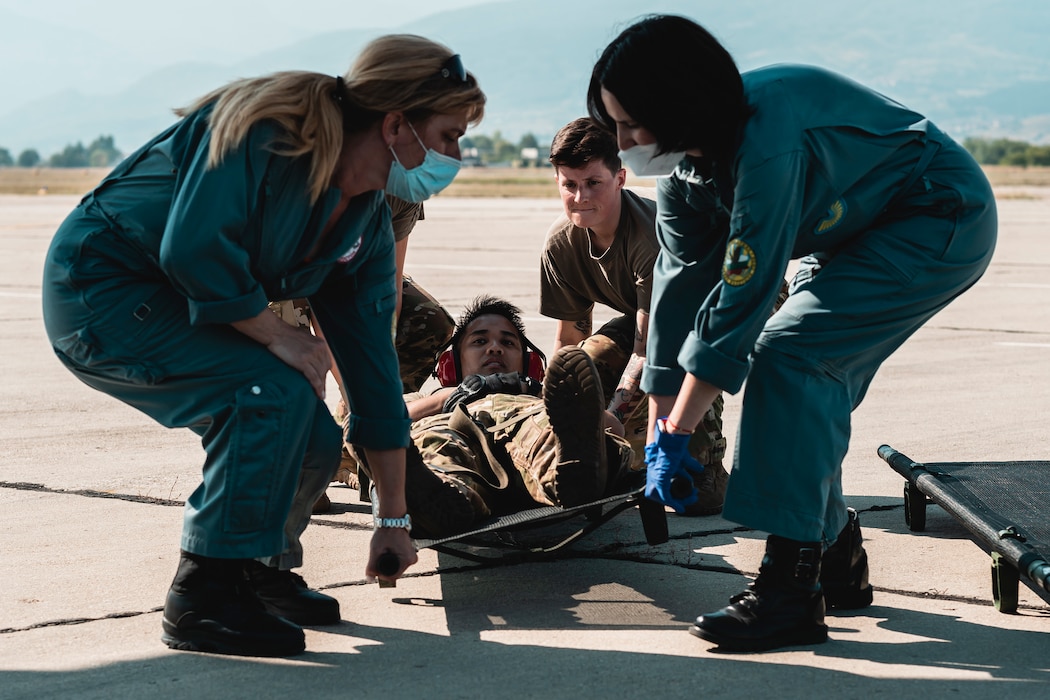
pixel 256 478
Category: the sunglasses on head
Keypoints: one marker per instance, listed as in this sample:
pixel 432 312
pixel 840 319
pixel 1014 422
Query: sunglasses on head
pixel 453 70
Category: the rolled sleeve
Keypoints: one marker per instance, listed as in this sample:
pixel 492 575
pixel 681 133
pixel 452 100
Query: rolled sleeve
pixel 228 310
pixel 662 381
pixel 707 363
pixel 378 433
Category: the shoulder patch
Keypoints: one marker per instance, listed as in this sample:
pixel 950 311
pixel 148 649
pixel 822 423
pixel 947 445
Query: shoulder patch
pixel 739 264
pixel 836 212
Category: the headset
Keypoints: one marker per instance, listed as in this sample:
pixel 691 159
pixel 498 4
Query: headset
pixel 449 374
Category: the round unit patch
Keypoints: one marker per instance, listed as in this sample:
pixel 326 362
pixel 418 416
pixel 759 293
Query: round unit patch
pixel 739 264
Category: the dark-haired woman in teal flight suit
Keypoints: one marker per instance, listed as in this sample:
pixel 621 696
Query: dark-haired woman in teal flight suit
pixel 891 219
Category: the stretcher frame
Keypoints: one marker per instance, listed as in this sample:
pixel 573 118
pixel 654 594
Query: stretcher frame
pixel 503 528
pixel 1016 553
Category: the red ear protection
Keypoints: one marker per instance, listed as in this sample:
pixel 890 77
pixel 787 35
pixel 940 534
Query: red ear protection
pixel 447 371
pixel 536 365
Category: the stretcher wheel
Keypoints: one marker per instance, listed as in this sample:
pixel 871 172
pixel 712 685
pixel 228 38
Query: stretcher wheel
pixel 914 508
pixel 1006 579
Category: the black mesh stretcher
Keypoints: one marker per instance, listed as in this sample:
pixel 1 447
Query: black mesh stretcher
pixel 564 525
pixel 499 537
pixel 1004 505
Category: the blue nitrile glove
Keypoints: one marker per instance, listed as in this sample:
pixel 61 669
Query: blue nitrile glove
pixel 666 462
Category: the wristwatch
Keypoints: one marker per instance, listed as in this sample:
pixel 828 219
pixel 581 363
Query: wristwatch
pixel 405 521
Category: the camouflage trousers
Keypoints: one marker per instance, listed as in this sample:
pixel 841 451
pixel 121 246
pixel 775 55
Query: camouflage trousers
pixel 502 446
pixel 610 348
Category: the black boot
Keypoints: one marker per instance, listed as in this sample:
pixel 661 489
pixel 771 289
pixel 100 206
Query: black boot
pixel 782 607
pixel 285 594
pixel 844 569
pixel 208 609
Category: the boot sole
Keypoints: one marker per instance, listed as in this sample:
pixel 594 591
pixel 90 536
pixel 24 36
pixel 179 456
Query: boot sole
pixel 215 642
pixel 814 635
pixel 848 599
pixel 317 618
pixel 572 396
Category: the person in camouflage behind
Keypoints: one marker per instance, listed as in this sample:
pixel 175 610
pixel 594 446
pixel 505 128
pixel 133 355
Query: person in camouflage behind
pixel 497 439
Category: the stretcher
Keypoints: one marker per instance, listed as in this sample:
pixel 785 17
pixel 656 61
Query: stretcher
pixel 542 531
pixel 539 532
pixel 1003 505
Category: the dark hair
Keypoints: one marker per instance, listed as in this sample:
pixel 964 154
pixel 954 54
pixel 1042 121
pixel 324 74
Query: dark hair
pixel 483 306
pixel 582 141
pixel 675 79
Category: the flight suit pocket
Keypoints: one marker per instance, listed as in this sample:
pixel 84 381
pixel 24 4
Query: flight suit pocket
pixel 255 472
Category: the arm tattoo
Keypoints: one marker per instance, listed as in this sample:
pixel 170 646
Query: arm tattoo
pixel 628 394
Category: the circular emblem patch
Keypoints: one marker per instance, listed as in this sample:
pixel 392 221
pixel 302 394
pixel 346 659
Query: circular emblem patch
pixel 739 264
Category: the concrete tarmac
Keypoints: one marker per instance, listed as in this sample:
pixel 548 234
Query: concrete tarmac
pixel 91 494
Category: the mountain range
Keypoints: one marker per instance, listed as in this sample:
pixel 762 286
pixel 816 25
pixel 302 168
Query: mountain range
pixel 976 67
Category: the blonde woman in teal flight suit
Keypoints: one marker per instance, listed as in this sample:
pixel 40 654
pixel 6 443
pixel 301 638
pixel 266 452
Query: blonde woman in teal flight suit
pixel 891 219
pixel 156 289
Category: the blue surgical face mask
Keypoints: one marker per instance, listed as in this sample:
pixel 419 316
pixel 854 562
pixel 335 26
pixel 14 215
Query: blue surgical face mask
pixel 425 180
pixel 644 161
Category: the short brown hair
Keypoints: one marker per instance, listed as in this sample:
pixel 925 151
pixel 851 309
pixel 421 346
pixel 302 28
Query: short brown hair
pixel 582 141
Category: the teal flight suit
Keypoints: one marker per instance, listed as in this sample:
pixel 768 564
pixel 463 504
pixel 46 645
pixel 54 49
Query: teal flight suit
pixel 143 279
pixel 892 220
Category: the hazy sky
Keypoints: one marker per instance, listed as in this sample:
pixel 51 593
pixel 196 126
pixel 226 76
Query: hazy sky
pixel 234 28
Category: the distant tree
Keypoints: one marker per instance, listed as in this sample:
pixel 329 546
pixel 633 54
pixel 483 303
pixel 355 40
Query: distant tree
pixel 72 156
pixel 484 145
pixel 1015 157
pixel 998 151
pixel 5 158
pixel 503 151
pixel 1039 155
pixel 529 141
pixel 28 158
pixel 102 152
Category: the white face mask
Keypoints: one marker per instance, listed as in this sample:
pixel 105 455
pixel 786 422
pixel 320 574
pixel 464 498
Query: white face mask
pixel 644 161
pixel 425 180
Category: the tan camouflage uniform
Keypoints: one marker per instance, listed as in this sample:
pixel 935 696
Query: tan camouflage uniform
pixel 503 447
pixel 424 329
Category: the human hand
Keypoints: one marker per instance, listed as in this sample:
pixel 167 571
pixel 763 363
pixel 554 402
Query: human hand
pixel 295 346
pixel 666 461
pixel 478 386
pixel 305 352
pixel 389 545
